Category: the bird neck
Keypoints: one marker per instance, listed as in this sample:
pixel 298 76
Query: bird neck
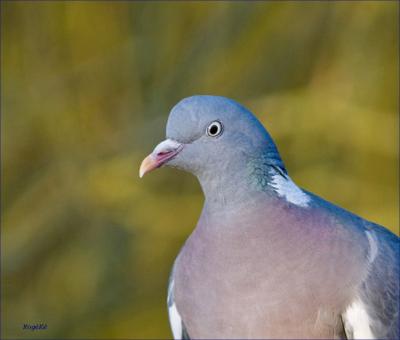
pixel 241 183
pixel 228 194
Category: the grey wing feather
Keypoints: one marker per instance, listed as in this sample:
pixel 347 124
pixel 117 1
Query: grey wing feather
pixel 185 334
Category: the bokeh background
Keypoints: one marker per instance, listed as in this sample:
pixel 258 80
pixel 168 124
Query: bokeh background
pixel 86 89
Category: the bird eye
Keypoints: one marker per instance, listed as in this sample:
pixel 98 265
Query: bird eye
pixel 214 129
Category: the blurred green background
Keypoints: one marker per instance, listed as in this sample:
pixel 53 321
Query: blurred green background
pixel 86 246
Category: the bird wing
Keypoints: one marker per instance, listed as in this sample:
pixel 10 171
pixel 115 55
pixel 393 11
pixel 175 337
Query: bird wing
pixel 178 327
pixel 375 314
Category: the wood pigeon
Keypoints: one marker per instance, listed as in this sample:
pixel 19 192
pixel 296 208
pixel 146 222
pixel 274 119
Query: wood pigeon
pixel 268 259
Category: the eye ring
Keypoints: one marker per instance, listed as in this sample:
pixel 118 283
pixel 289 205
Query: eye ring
pixel 215 128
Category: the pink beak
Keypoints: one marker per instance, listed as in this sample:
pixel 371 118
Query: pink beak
pixel 163 152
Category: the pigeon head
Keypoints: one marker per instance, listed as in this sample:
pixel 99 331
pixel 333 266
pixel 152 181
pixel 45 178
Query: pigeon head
pixel 219 141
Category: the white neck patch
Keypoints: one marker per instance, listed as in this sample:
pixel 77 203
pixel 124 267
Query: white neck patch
pixel 292 193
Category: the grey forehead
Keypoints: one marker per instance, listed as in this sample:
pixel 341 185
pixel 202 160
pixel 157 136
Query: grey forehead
pixel 189 119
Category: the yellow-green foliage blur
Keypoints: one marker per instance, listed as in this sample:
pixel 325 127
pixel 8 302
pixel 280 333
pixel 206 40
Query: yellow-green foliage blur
pixel 86 89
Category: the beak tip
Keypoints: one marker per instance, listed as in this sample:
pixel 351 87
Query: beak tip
pixel 146 166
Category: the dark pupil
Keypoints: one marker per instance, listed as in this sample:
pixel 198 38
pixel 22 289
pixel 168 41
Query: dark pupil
pixel 213 130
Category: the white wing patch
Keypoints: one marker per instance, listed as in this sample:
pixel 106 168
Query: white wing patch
pixel 356 322
pixel 176 322
pixel 174 318
pixel 291 192
pixel 372 245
